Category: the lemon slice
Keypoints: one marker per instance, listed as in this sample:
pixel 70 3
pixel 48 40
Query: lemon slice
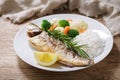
pixel 46 58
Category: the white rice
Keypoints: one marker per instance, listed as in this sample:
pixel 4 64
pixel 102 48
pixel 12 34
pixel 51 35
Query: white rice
pixel 95 44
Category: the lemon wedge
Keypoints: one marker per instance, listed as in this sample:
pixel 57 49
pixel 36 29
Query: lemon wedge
pixel 46 58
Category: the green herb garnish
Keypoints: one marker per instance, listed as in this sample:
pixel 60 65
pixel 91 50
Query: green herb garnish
pixel 69 43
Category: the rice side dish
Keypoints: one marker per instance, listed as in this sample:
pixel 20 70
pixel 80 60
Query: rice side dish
pixel 95 44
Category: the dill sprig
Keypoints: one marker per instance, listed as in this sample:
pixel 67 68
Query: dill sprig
pixel 69 43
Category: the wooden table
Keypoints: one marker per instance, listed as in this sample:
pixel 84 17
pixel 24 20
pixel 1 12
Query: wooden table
pixel 13 68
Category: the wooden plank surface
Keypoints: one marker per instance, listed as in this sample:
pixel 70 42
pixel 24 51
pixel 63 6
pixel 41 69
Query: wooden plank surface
pixel 13 68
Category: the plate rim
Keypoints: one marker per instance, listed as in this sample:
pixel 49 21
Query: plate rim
pixel 59 70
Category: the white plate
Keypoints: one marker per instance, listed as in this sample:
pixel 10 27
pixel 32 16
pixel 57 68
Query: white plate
pixel 25 52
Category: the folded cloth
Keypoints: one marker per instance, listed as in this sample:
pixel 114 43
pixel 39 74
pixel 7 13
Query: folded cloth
pixel 19 10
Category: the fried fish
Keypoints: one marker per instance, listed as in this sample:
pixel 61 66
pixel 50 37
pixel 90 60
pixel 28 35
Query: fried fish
pixel 45 43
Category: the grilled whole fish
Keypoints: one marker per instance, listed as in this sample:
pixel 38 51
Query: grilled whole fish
pixel 44 42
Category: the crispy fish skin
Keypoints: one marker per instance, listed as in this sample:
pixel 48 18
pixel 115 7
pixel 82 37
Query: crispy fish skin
pixel 46 43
